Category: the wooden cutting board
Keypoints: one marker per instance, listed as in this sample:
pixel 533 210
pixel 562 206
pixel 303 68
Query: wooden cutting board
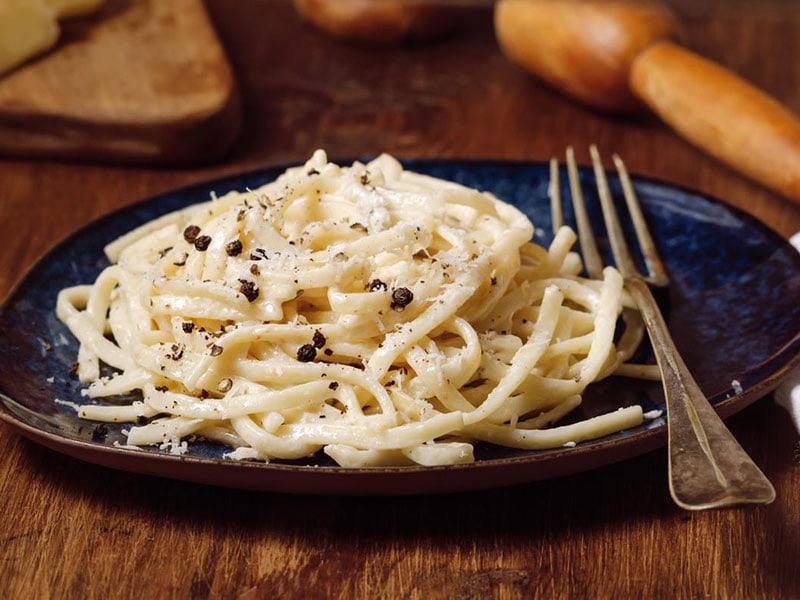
pixel 140 81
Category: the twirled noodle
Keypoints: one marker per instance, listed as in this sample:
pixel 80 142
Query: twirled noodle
pixel 380 315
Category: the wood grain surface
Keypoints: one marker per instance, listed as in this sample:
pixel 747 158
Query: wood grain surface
pixel 139 81
pixel 74 530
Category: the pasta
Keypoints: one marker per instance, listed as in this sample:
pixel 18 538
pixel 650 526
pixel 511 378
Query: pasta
pixel 381 316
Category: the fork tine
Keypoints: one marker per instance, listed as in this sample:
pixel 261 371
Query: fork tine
pixel 657 274
pixel 591 256
pixel 622 256
pixel 554 191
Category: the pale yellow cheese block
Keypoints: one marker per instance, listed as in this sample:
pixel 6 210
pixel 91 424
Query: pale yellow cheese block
pixel 27 28
pixel 30 27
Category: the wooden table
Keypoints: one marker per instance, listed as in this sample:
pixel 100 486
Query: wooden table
pixel 74 530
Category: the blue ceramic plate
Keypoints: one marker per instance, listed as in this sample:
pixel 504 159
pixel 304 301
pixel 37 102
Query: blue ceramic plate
pixel 732 309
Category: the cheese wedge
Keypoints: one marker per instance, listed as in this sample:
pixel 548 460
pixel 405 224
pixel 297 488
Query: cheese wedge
pixel 27 28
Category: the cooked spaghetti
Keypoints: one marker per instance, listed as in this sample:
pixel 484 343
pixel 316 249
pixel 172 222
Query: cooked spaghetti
pixel 379 315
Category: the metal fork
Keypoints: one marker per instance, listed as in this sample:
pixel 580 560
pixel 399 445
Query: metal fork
pixel 707 466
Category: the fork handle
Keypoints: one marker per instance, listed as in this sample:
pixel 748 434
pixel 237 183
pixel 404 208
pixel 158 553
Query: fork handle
pixel 707 466
pixel 721 113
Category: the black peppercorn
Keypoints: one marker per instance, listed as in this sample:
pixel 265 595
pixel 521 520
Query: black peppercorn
pixel 306 353
pixel 202 243
pixel 376 285
pixel 233 248
pixel 248 289
pixel 190 233
pixel 318 339
pixel 401 297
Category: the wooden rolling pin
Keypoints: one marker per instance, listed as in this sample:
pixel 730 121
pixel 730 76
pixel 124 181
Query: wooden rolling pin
pixel 617 54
